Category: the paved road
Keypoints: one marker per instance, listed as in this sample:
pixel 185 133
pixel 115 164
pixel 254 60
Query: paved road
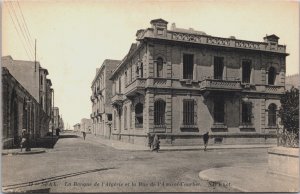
pixel 75 165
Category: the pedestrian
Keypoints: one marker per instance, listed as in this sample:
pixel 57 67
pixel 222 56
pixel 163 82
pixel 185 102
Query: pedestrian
pixel 23 138
pixel 57 131
pixel 155 144
pixel 150 140
pixel 84 134
pixel 205 140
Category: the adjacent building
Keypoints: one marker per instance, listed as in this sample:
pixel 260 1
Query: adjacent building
pixel 292 81
pixel 101 99
pixel 20 110
pixel 180 83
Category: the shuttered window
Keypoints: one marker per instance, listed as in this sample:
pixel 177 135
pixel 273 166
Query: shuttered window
pixel 159 67
pixel 246 112
pixel 189 113
pixel 219 110
pixel 218 67
pixel 188 66
pixel 246 71
pixel 272 115
pixel 159 113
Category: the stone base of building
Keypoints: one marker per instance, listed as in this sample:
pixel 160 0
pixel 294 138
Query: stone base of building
pixel 8 143
pixel 284 161
pixel 187 140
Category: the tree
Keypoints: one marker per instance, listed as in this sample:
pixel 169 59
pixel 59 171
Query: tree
pixel 289 114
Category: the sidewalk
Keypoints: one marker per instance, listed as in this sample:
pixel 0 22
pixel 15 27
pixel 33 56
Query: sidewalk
pixel 18 151
pixel 250 179
pixel 119 145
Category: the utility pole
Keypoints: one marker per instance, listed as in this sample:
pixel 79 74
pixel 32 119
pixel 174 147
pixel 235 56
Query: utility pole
pixel 35 55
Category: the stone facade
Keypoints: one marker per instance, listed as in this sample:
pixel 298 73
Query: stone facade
pixel 101 99
pixel 20 111
pixel 181 83
pixel 292 81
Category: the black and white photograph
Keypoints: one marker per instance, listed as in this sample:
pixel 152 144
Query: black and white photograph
pixel 113 96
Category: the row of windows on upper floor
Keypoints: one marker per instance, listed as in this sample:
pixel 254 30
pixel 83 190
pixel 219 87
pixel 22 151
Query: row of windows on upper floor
pixel 188 71
pixel 189 116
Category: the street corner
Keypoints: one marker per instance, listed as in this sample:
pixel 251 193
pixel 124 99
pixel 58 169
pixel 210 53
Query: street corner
pixel 19 152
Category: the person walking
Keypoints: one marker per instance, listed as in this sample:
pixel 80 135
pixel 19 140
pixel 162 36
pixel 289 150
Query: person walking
pixel 205 140
pixel 156 143
pixel 23 139
pixel 150 140
pixel 84 134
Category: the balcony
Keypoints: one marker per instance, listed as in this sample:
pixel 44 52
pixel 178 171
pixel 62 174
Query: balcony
pixel 92 98
pixel 136 86
pixel 274 89
pixel 118 99
pixel 214 84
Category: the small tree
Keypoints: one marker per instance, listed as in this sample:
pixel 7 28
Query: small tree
pixel 289 114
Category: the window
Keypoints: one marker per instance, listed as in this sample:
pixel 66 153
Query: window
pixel 125 117
pixel 160 31
pixel 115 119
pixel 109 117
pixel 272 114
pixel 189 113
pixel 159 113
pixel 142 70
pixel 159 67
pixel 139 115
pixel 119 85
pixel 41 80
pixel 219 110
pixel 246 112
pixel 188 66
pixel 246 71
pixel 126 78
pixel 218 67
pixel 271 76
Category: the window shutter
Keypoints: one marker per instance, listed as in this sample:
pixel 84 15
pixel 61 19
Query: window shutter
pixel 195 113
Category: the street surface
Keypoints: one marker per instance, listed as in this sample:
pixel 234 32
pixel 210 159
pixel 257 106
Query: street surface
pixel 75 165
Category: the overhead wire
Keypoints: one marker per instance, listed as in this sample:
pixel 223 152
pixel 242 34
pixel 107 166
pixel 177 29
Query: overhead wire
pixel 27 42
pixel 22 41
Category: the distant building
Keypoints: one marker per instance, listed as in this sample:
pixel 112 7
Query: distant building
pixel 76 127
pixel 101 99
pixel 292 81
pixel 180 84
pixel 86 125
pixel 20 111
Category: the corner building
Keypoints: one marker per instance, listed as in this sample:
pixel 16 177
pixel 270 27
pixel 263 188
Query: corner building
pixel 181 83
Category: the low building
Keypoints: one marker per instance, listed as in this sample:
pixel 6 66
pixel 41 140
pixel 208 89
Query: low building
pixel 180 84
pixel 292 81
pixel 101 99
pixel 20 111
pixel 76 127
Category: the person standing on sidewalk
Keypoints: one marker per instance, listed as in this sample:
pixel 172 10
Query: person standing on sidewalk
pixel 84 134
pixel 150 140
pixel 155 144
pixel 205 140
pixel 23 139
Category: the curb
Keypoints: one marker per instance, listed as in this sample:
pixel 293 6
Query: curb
pixel 190 149
pixel 25 153
pixel 203 176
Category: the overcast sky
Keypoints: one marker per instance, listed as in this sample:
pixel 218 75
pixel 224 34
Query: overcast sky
pixel 75 37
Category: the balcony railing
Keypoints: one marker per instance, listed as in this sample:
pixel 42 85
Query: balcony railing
pixel 215 84
pixel 137 84
pixel 118 98
pixel 275 89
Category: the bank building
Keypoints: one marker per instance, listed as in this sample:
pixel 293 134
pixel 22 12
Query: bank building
pixel 180 83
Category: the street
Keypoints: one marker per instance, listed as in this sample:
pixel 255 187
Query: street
pixel 75 165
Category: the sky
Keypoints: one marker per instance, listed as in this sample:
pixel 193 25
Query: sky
pixel 74 37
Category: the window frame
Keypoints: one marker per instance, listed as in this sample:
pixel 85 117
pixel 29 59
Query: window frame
pixel 188 66
pixel 159 113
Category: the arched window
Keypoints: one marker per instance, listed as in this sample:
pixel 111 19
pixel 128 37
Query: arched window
pixel 139 115
pixel 125 117
pixel 271 76
pixel 159 67
pixel 159 113
pixel 272 114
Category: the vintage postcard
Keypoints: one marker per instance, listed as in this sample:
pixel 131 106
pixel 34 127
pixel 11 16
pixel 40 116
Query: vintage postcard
pixel 149 96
